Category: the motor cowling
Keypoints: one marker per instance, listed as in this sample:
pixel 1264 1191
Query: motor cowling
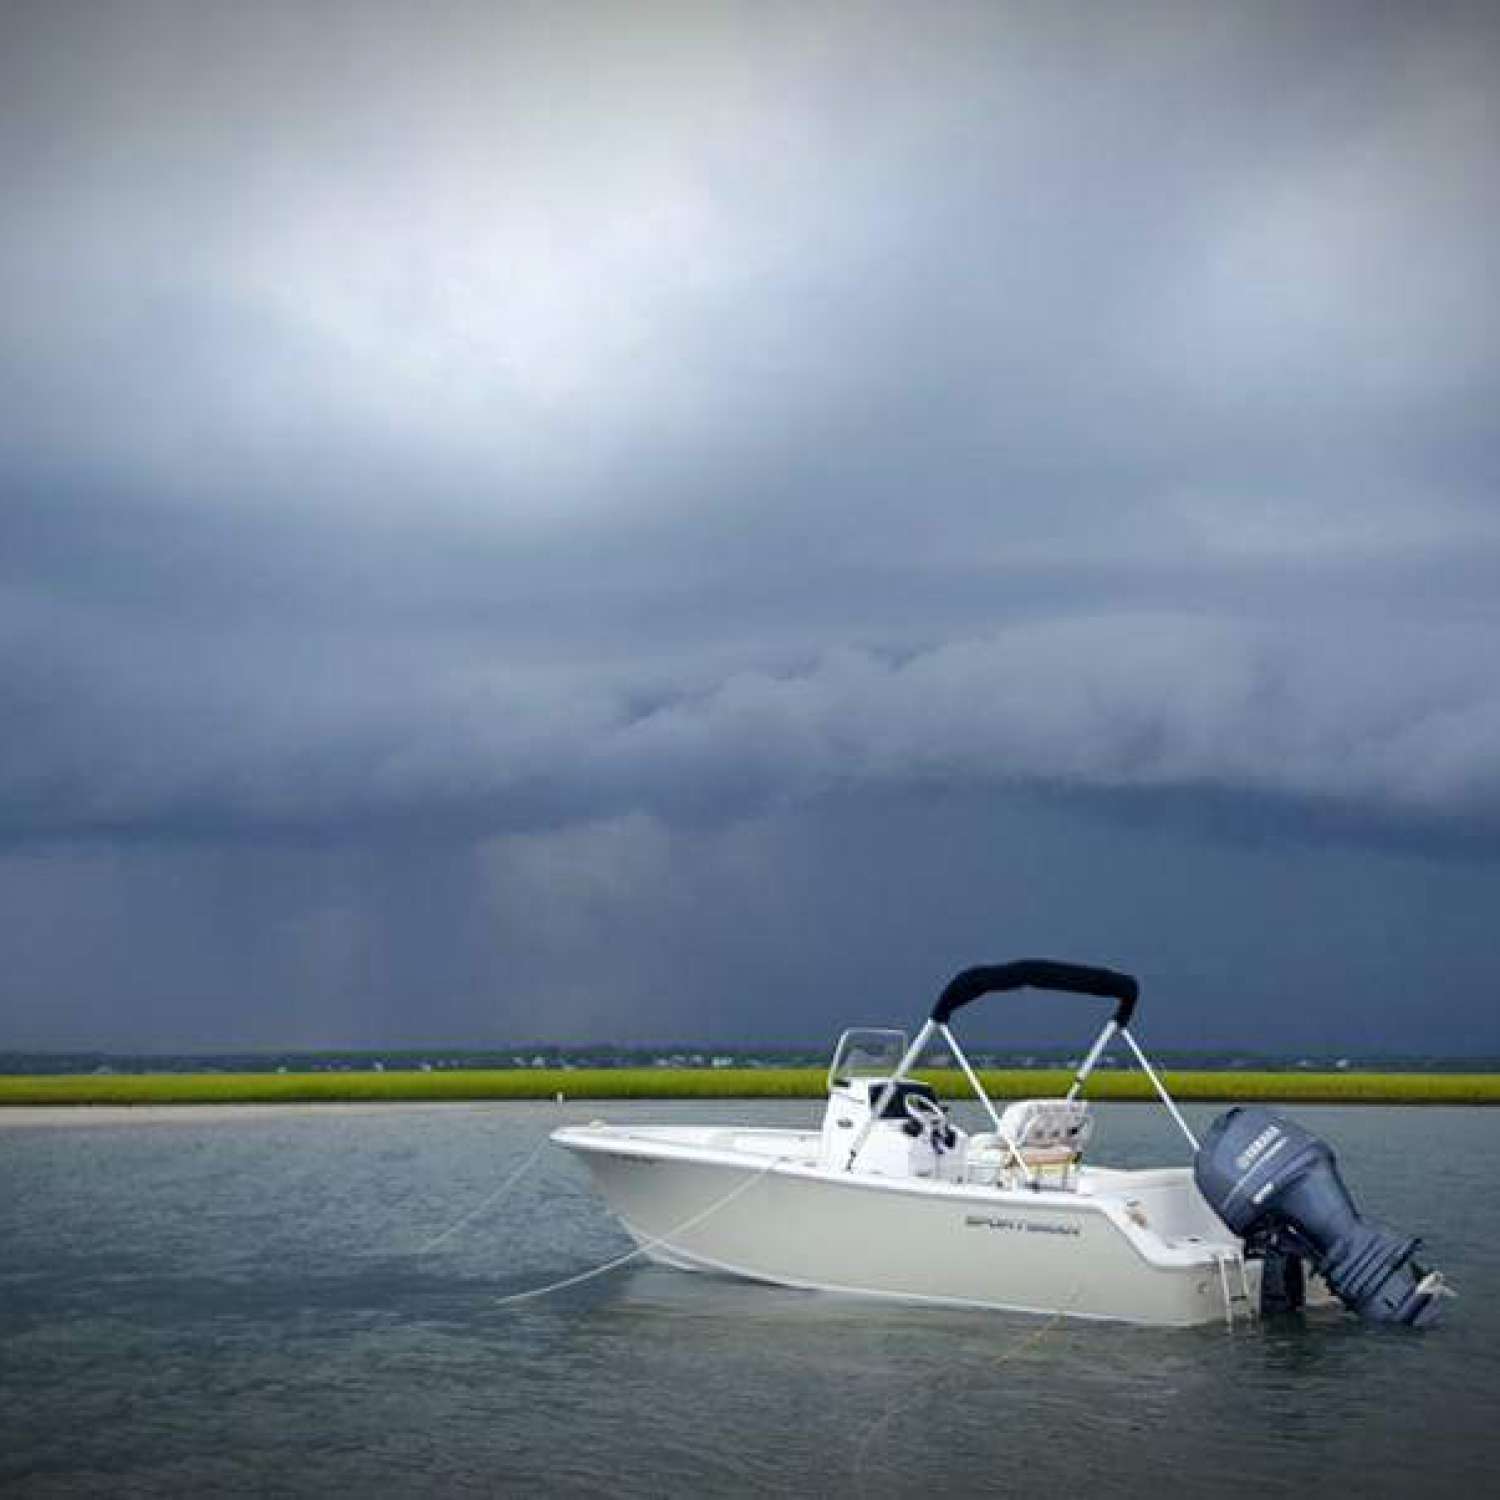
pixel 1278 1187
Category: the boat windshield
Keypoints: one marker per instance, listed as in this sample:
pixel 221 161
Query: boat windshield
pixel 867 1052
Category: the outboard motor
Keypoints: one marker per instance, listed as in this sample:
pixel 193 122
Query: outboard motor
pixel 1277 1186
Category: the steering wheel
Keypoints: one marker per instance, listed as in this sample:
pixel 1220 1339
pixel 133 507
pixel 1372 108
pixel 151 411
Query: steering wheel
pixel 927 1113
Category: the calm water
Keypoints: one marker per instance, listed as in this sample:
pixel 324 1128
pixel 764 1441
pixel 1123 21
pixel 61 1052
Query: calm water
pixel 242 1304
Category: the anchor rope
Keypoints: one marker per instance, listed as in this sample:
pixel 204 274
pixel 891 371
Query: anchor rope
pixel 485 1202
pixel 1035 1336
pixel 649 1243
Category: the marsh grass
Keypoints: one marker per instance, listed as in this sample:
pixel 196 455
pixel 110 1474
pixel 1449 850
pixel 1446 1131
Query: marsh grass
pixel 720 1083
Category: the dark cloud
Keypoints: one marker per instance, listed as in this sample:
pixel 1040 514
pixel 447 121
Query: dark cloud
pixel 781 927
pixel 516 439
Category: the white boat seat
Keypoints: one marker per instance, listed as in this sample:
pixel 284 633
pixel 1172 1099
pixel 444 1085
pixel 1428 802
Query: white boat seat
pixel 1049 1132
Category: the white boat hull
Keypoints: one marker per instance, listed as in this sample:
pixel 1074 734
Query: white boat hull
pixel 1137 1246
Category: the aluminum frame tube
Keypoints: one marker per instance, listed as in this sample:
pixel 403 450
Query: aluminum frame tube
pixel 1094 1054
pixel 1160 1087
pixel 908 1062
pixel 984 1099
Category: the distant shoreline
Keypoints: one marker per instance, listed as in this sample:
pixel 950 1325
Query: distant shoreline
pixel 134 1090
pixel 61 1116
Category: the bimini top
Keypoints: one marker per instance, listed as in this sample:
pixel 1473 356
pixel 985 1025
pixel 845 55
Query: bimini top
pixel 1038 974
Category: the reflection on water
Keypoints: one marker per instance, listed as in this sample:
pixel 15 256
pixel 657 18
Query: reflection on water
pixel 237 1304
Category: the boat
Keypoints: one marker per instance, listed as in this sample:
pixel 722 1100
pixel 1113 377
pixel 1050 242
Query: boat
pixel 891 1198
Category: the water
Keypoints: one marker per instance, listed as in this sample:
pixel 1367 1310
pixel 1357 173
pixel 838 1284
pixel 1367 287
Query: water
pixel 238 1302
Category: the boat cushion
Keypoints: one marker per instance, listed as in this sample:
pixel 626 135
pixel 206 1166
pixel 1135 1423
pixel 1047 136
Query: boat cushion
pixel 1055 1129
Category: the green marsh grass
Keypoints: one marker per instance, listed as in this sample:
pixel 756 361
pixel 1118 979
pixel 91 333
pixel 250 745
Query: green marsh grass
pixel 719 1083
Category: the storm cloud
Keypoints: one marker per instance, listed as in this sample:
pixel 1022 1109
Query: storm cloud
pixel 591 462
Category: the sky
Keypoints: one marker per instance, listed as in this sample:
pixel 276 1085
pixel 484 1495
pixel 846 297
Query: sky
pixel 646 522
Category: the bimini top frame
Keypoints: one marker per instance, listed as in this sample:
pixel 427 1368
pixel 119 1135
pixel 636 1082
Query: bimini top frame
pixel 1029 973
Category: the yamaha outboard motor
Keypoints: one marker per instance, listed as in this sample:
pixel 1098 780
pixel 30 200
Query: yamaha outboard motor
pixel 1277 1186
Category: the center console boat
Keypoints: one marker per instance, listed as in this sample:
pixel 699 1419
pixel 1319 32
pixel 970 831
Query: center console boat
pixel 891 1198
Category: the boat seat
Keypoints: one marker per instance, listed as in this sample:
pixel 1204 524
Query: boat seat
pixel 1049 1132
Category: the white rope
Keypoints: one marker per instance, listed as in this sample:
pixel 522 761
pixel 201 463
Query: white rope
pixel 484 1203
pixel 905 1401
pixel 650 1243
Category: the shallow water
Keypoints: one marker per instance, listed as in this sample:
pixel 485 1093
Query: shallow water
pixel 251 1302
